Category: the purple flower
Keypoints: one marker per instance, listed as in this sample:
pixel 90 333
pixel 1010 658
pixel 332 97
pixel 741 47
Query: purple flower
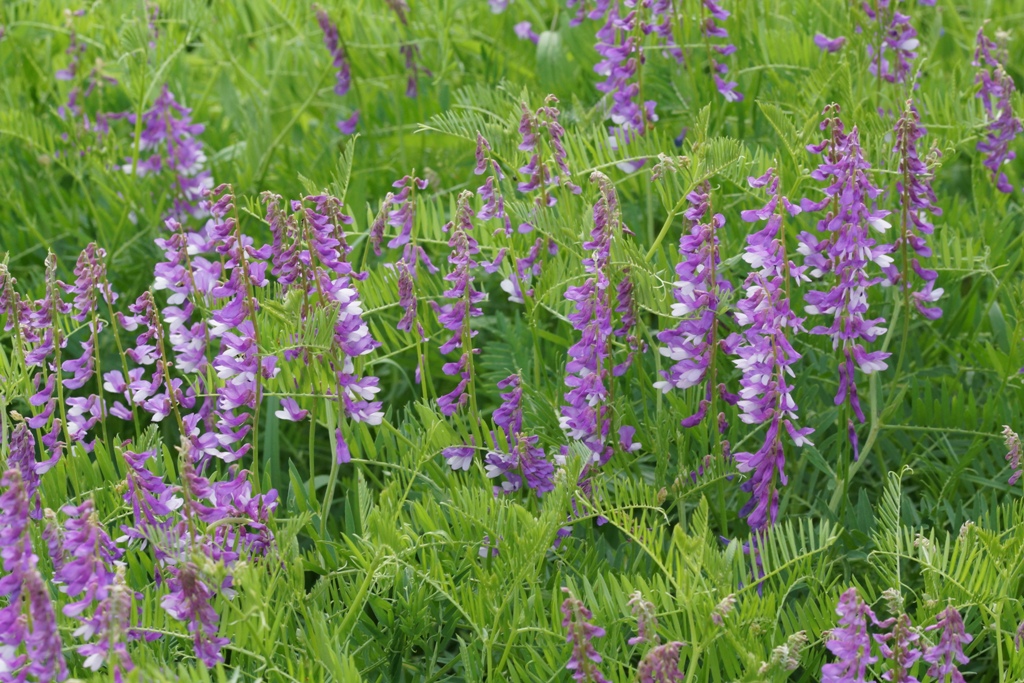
pixel 172 137
pixel 899 646
pixel 542 174
pixel 826 44
pixel 290 410
pixel 525 459
pixel 949 651
pixel 406 296
pixel 898 41
pixel 44 654
pixel 89 557
pixel 583 661
pixel 459 457
pixel 110 622
pixel 661 664
pixel 29 642
pixel 343 77
pixel 188 599
pixel 766 355
pixel 996 94
pixel 524 31
pixel 918 199
pixel 727 89
pixel 585 416
pixel 348 126
pixel 455 317
pixel 646 621
pixel 850 642
pixel 404 208
pixel 1013 452
pixel 151 498
pixel 691 343
pixel 846 254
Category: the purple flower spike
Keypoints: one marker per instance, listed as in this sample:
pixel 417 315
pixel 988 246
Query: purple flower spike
pixel 576 618
pixel 851 198
pixel 585 417
pixel 188 599
pixel 915 189
pixel 455 317
pixel 89 557
pixel 949 651
pixel 826 44
pixel 766 356
pixel 171 136
pixel 727 89
pixel 661 664
pixel 343 77
pixel 850 642
pixel 646 621
pixel 691 343
pixel 898 39
pixel 900 647
pixel 996 94
pixel 1013 453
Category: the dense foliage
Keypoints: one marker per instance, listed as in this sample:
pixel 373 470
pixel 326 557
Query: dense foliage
pixel 526 340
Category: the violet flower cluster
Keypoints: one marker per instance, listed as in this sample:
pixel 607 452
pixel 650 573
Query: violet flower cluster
pixel 618 44
pixel 850 643
pixel 692 343
pixel 948 652
pixel 170 137
pixel 340 61
pixel 918 201
pixel 896 41
pixel 996 91
pixel 661 664
pixel 525 459
pixel 766 355
pixel 711 29
pixel 586 416
pixel 583 661
pixel 1013 454
pixel 540 131
pixel 845 254
pixel 455 317
pixel 30 643
pixel 901 645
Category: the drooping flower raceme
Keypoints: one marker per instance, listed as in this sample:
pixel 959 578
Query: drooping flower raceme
pixel 766 355
pixel 899 646
pixel 850 642
pixel 895 42
pixel 712 12
pixel 540 131
pixel 30 644
pixel 692 343
pixel 996 91
pixel 339 60
pixel 1013 454
pixel 171 137
pixel 948 652
pixel 576 619
pixel 586 416
pixel 917 201
pixel 525 460
pixel 455 317
pixel 661 664
pixel 845 254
